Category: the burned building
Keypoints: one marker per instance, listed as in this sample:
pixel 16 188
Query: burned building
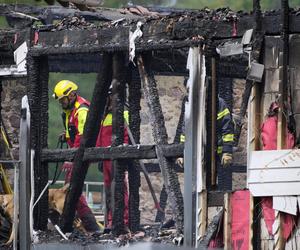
pixel 138 47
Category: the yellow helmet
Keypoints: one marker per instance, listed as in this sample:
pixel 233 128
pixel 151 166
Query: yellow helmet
pixel 64 88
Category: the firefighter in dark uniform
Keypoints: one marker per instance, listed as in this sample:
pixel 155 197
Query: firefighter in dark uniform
pixel 225 135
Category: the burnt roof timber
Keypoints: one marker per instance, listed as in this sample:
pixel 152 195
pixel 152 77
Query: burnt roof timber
pixel 181 23
pixel 49 13
pixel 157 34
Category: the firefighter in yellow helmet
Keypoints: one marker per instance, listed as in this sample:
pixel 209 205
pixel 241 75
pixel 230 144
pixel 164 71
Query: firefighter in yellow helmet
pixel 75 110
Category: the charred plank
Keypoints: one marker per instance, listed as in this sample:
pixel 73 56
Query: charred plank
pixel 167 32
pixel 121 152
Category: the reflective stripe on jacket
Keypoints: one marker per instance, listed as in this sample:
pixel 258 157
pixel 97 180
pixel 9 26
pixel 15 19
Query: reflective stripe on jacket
pixel 225 128
pixel 74 121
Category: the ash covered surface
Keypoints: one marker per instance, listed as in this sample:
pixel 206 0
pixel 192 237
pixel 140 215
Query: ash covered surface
pixel 132 15
pixel 150 234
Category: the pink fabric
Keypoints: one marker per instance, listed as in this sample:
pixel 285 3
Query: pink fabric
pixel 240 206
pixel 269 139
pixel 269 135
pixel 268 212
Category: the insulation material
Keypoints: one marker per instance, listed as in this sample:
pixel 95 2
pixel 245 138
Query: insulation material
pixel 240 205
pixel 269 134
pixel 288 221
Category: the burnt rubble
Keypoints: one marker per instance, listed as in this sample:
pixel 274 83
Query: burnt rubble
pixel 148 233
pixel 73 23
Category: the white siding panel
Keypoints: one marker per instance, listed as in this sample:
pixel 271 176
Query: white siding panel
pixel 287 204
pixel 274 173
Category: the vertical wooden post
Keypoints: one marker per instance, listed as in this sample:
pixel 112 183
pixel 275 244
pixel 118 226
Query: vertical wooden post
pixel 282 122
pixel 213 121
pixel 227 221
pixel 255 112
pixel 118 95
pixel 202 214
pixel 134 177
pixel 37 90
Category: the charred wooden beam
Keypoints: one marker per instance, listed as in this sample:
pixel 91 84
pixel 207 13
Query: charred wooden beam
pixel 160 137
pixel 88 140
pixel 179 131
pixel 117 185
pixel 160 33
pixel 134 177
pixel 121 152
pixel 109 47
pixel 38 101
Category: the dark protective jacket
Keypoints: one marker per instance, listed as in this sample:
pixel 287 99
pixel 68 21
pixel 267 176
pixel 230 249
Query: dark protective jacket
pixel 225 128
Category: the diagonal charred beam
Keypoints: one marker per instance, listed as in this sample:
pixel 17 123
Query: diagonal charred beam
pixel 160 137
pixel 134 177
pixel 179 131
pixel 117 185
pixel 88 140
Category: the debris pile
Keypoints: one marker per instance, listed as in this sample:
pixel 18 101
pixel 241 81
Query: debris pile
pixel 148 233
pixel 73 23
